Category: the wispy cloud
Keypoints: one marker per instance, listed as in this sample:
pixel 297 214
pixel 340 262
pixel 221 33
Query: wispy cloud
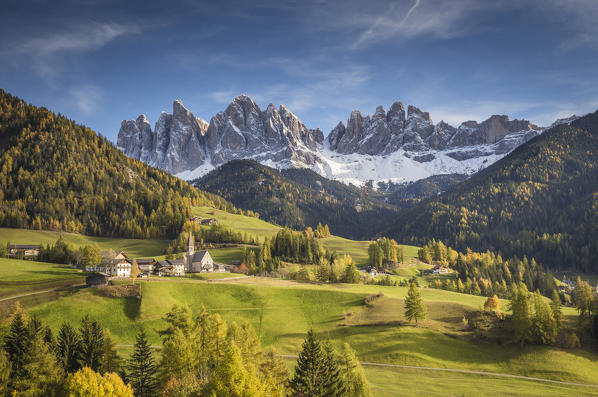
pixel 403 21
pixel 85 98
pixel 44 52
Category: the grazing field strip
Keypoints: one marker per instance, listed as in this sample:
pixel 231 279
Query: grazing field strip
pixel 464 371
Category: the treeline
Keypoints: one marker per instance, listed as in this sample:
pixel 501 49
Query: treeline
pixel 201 355
pixel 34 362
pixel 486 273
pixel 385 252
pixel 288 245
pixel 217 234
pixel 541 201
pixel 58 175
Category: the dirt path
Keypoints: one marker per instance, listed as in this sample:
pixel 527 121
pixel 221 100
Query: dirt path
pixel 29 293
pixel 467 371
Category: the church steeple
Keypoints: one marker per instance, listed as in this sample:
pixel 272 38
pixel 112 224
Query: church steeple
pixel 190 245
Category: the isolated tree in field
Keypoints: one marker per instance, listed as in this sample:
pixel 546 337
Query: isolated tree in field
pixel 414 305
pixel 86 383
pixel 142 367
pixel 309 371
pixel 91 344
pixel 134 270
pixel 67 348
pixel 556 306
pixel 355 381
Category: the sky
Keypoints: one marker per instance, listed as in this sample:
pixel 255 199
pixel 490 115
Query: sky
pixel 101 61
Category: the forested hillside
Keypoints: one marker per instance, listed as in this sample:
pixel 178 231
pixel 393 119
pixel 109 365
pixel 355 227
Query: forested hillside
pixel 299 198
pixel 58 175
pixel 540 201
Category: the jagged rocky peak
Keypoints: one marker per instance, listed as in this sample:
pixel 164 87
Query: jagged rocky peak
pixel 385 133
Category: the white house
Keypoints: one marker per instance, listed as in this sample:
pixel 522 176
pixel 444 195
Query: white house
pixel 117 268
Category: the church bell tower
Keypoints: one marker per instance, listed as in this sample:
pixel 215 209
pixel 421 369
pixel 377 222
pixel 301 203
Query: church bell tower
pixel 190 252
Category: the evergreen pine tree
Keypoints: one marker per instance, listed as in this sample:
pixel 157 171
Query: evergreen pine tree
pixel 334 380
pixel 414 304
pixel 17 342
pixel 142 367
pixel 67 348
pixel 309 371
pixel 91 344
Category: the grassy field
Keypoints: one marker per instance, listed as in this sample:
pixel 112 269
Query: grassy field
pixel 133 247
pixel 23 276
pixel 282 311
pixel 240 223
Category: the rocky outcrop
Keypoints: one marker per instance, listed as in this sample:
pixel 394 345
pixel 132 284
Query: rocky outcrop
pixel 181 142
pixel 385 133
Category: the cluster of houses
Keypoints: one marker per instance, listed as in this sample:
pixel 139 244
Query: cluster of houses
pixel 120 265
pixel 204 222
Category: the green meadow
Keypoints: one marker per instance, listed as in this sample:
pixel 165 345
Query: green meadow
pixel 23 276
pixel 283 311
pixel 133 247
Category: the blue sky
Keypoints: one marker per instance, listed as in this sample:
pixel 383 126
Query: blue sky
pixel 99 62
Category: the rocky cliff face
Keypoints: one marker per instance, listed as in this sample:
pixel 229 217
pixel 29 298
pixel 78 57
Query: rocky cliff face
pixel 386 132
pixel 181 142
pixel 388 145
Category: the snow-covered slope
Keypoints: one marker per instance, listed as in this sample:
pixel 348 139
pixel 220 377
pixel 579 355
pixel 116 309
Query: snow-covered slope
pixel 395 146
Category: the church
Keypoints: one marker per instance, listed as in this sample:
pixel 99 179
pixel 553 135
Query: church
pixel 196 262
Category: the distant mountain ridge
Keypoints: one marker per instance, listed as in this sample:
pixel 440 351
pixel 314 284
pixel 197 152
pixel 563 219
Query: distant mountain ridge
pixel 394 146
pixel 541 200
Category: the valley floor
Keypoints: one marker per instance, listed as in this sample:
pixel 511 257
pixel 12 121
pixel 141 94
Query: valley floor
pixel 282 311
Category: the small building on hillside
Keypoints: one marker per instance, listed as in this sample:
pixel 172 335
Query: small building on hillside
pixel 26 250
pixel 438 269
pixel 203 222
pixel 97 279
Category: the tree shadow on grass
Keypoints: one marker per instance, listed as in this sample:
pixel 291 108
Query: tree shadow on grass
pixel 132 307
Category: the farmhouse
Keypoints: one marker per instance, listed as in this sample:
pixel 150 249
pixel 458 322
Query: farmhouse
pixel 438 269
pixel 196 262
pixel 146 265
pixel 116 268
pixel 24 249
pixel 170 268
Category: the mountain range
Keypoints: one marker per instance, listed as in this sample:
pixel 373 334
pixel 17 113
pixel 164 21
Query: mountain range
pixel 395 146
